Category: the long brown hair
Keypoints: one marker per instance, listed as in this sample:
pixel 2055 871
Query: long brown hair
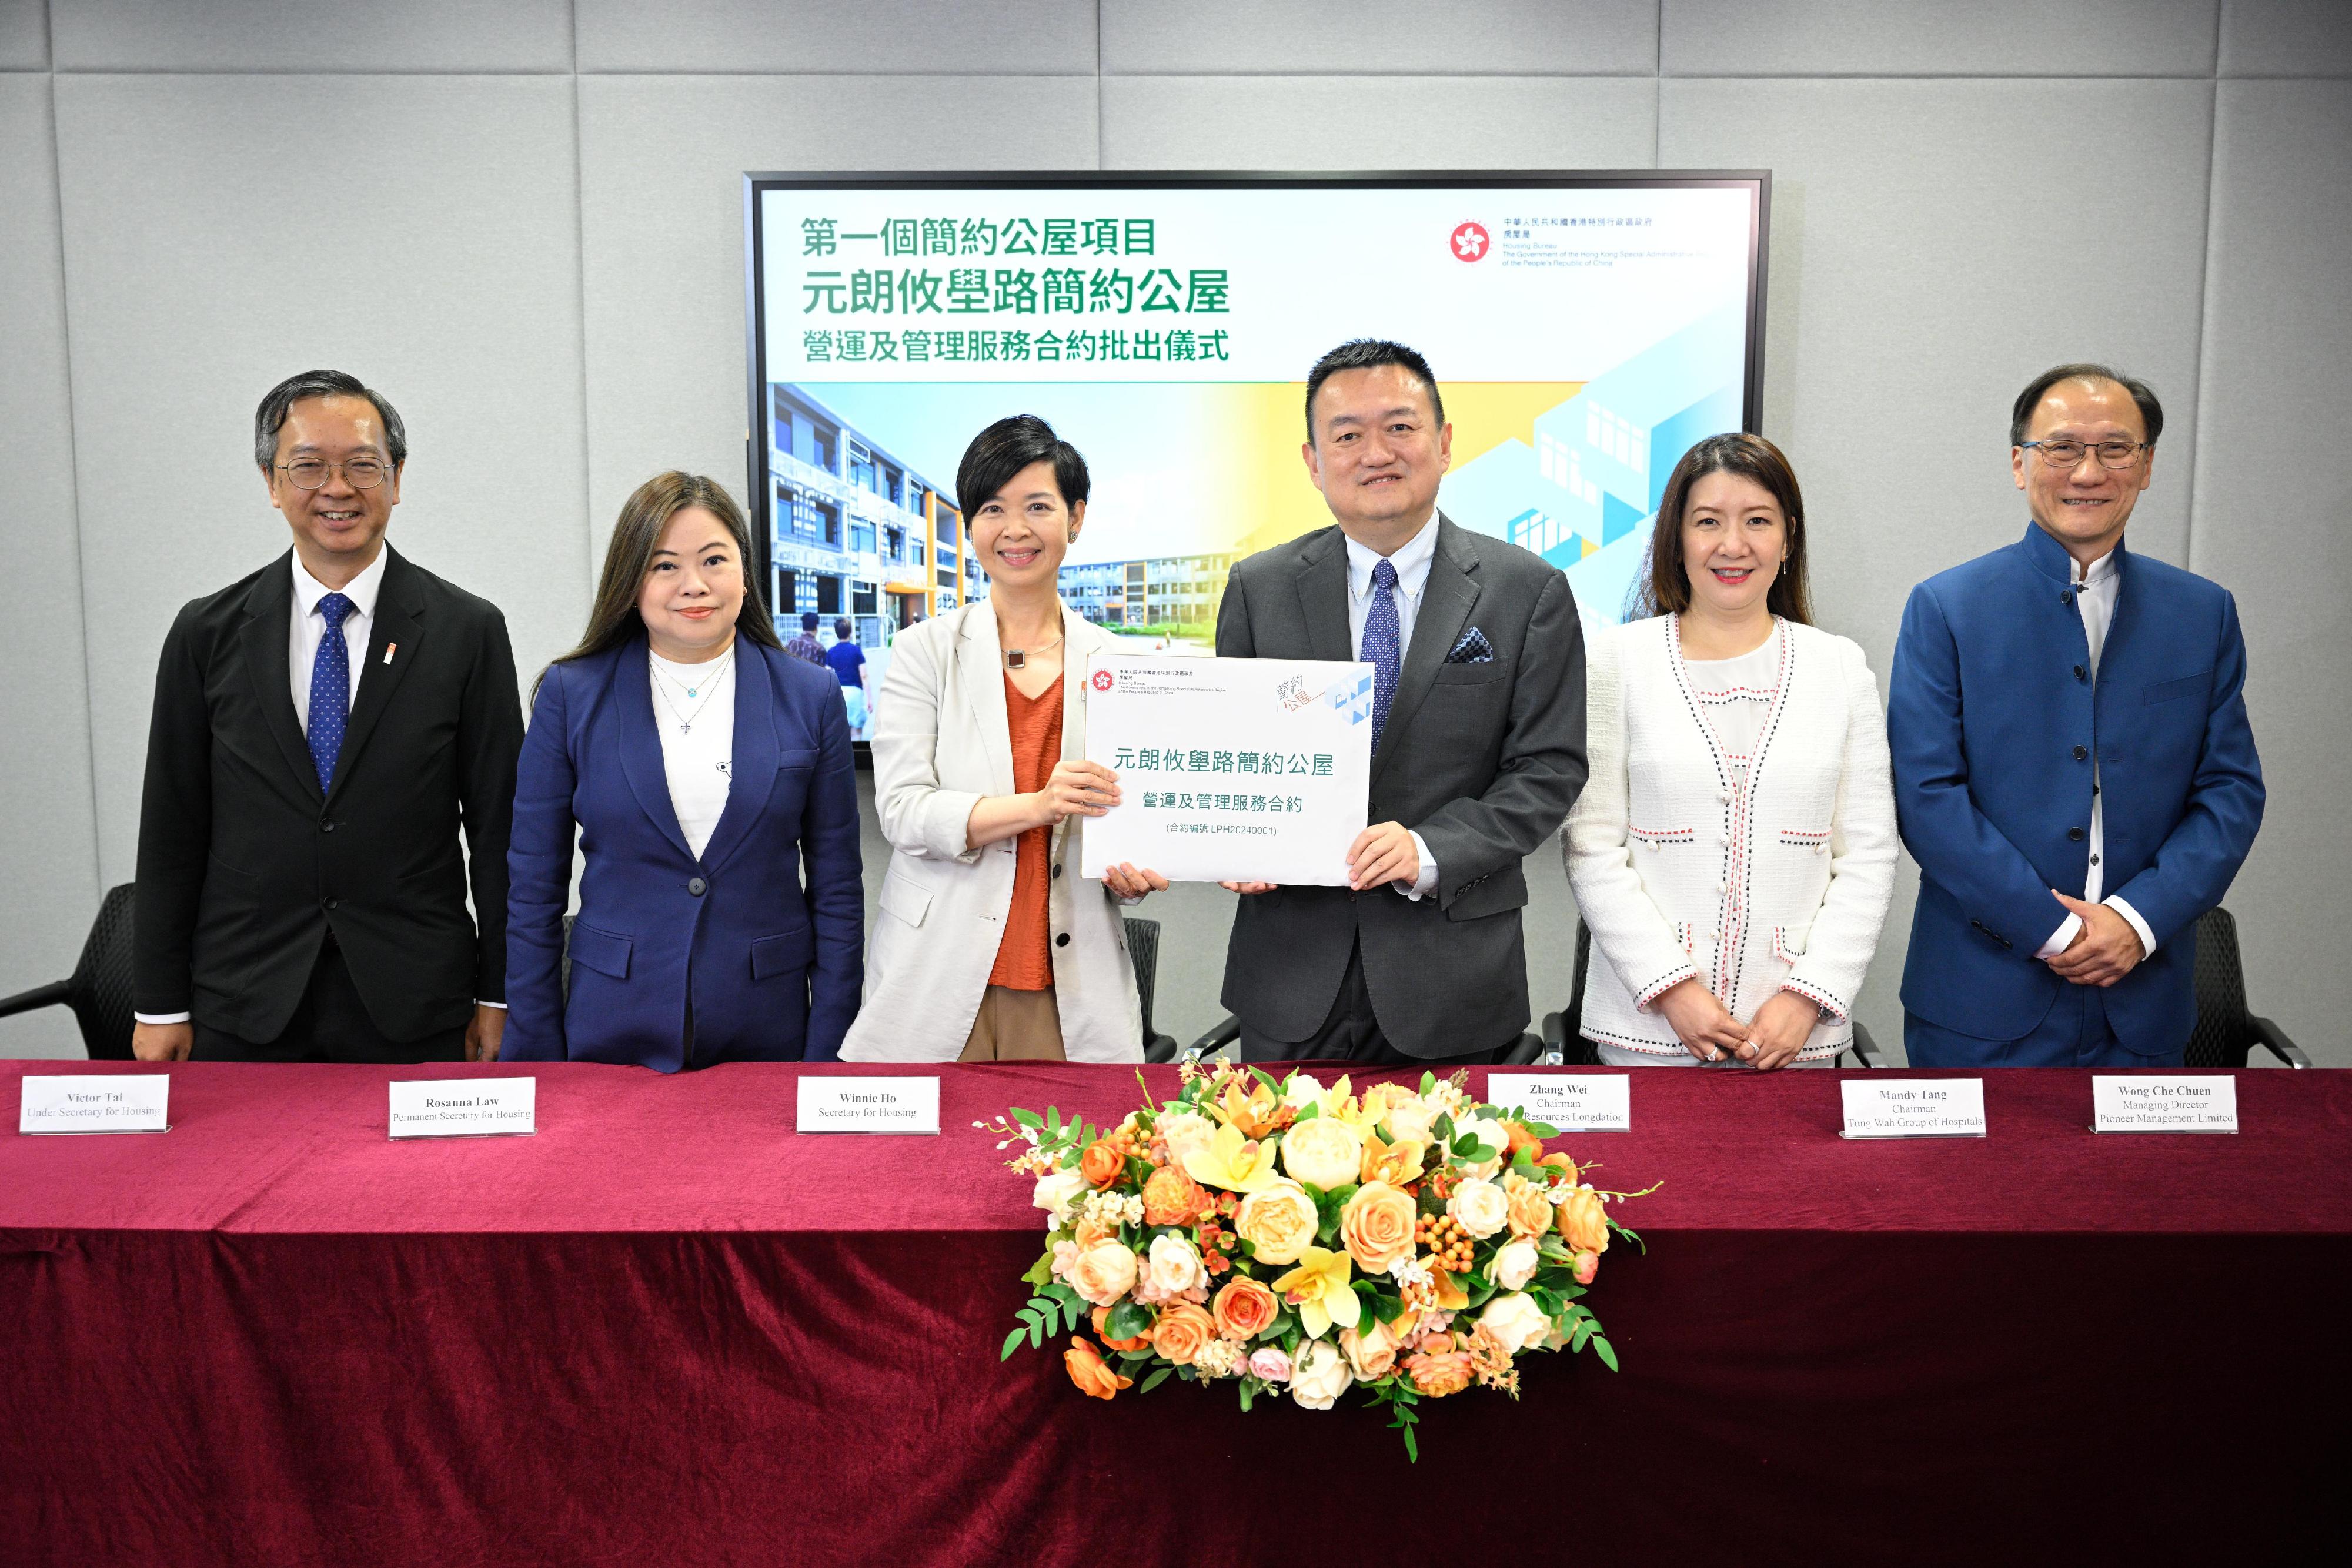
pixel 1663 589
pixel 614 619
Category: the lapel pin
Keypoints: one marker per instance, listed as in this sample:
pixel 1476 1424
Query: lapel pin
pixel 389 650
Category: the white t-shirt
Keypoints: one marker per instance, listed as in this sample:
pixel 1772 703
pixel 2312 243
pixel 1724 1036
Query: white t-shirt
pixel 1735 694
pixel 694 712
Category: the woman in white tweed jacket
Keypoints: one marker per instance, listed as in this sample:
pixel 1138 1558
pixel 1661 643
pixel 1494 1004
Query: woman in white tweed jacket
pixel 1734 849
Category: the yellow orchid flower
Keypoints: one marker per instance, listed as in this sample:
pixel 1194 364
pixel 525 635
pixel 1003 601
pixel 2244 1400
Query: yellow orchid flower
pixel 1253 1114
pixel 1319 1289
pixel 1339 1106
pixel 1395 1163
pixel 1233 1161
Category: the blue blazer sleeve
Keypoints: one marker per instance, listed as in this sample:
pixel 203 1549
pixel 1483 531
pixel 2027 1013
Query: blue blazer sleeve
pixel 539 881
pixel 833 851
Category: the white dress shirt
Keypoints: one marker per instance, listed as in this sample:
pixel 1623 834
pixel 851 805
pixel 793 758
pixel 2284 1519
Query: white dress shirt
pixel 1411 560
pixel 698 738
pixel 2095 587
pixel 311 627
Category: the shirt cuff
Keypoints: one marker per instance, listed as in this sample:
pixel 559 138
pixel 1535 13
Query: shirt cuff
pixel 1426 882
pixel 2060 938
pixel 2139 926
pixel 161 1018
pixel 480 1003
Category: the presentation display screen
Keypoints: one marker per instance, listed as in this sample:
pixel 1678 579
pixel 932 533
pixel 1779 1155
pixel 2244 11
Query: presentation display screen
pixel 1585 331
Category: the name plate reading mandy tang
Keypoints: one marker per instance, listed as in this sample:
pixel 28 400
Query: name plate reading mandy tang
pixel 2142 1103
pixel 92 1103
pixel 465 1108
pixel 1915 1108
pixel 869 1105
pixel 1571 1102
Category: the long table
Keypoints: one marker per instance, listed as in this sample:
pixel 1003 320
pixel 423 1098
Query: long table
pixel 665 1329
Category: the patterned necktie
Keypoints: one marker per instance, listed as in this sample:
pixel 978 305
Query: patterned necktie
pixel 1380 644
pixel 330 690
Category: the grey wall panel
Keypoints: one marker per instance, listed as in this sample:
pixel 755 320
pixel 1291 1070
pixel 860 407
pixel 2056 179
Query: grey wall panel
pixel 24 38
pixel 2273 462
pixel 1011 37
pixel 1382 37
pixel 662 166
pixel 1936 37
pixel 292 36
pixel 1286 122
pixel 2286 39
pixel 197 279
pixel 48 833
pixel 1917 283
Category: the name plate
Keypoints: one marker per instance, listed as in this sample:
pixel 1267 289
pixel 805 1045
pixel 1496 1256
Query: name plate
pixel 465 1108
pixel 2194 1103
pixel 1571 1102
pixel 91 1104
pixel 1913 1108
pixel 869 1105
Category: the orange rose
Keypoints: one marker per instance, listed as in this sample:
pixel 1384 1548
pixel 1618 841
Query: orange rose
pixel 1587 1265
pixel 1241 1309
pixel 1438 1373
pixel 1101 1164
pixel 1583 1222
pixel 1531 1207
pixel 1172 1198
pixel 1376 1226
pixel 1102 1327
pixel 1371 1348
pixel 1091 1372
pixel 1181 1332
pixel 1087 1232
pixel 1521 1139
pixel 1562 1163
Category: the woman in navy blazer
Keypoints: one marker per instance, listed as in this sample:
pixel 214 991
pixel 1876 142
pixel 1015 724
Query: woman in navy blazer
pixel 701 765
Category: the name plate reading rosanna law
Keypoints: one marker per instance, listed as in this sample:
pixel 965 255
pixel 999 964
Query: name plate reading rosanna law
pixel 2196 1103
pixel 1571 1102
pixel 869 1105
pixel 465 1108
pixel 91 1104
pixel 1913 1108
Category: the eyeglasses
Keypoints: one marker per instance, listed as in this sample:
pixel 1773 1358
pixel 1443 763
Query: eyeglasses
pixel 359 473
pixel 2069 454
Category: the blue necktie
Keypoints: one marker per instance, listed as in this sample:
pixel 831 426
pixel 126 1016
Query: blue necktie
pixel 1380 644
pixel 330 690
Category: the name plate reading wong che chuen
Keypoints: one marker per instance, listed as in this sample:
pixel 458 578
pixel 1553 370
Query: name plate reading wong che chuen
pixel 465 1108
pixel 94 1103
pixel 2194 1103
pixel 1571 1102
pixel 867 1105
pixel 1913 1108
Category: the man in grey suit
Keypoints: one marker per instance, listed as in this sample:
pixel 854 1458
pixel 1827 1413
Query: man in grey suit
pixel 1477 741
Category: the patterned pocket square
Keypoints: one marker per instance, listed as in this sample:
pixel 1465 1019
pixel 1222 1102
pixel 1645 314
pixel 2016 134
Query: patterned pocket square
pixel 1472 649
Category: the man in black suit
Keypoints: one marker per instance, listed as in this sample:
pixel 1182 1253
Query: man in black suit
pixel 321 730
pixel 1477 740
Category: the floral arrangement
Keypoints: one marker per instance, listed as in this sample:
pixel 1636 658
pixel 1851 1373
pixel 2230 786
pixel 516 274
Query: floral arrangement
pixel 1282 1237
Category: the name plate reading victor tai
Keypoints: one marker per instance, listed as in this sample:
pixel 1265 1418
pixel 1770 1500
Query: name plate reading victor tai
pixel 869 1105
pixel 1913 1108
pixel 2197 1102
pixel 465 1108
pixel 1571 1102
pixel 92 1103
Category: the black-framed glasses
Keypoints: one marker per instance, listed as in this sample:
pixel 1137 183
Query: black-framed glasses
pixel 359 473
pixel 2069 454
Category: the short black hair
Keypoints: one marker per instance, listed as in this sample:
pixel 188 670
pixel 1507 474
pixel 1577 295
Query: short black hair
pixel 808 620
pixel 841 628
pixel 1008 446
pixel 1362 354
pixel 270 417
pixel 2021 415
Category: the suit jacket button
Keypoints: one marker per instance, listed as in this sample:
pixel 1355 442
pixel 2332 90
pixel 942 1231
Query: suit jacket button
pixel 697 886
pixel 332 903
pixel 1063 940
pixel 2080 673
pixel 1057 870
pixel 327 825
pixel 2075 835
pixel 2080 753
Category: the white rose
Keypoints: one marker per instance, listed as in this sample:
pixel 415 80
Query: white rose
pixel 1410 1119
pixel 1055 1191
pixel 1515 1264
pixel 1174 1266
pixel 1489 1132
pixel 1319 1375
pixel 1184 1132
pixel 1301 1090
pixel 1481 1206
pixel 1323 1152
pixel 1516 1320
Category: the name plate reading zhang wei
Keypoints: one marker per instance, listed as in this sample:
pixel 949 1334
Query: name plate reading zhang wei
pixel 94 1103
pixel 465 1108
pixel 2196 1103
pixel 1913 1108
pixel 869 1105
pixel 1571 1102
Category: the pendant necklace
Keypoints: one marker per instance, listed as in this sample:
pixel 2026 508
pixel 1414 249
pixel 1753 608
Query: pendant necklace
pixel 1018 658
pixel 686 721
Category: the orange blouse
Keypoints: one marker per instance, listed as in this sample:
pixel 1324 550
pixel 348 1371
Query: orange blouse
pixel 1024 960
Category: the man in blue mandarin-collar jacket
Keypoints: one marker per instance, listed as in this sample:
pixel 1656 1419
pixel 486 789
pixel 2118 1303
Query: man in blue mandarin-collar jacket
pixel 2073 771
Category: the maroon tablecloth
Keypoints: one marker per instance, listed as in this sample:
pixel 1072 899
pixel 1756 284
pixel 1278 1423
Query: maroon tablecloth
pixel 667 1330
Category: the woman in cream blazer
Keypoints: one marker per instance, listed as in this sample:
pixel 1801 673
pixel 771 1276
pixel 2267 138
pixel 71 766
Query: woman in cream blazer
pixel 1734 850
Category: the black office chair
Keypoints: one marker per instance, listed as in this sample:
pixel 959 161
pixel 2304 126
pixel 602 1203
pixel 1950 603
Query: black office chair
pixel 98 990
pixel 2226 1032
pixel 1143 948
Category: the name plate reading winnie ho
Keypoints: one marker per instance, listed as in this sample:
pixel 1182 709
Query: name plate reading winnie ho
pixel 2197 1102
pixel 465 1108
pixel 869 1105
pixel 1915 1108
pixel 1571 1102
pixel 90 1104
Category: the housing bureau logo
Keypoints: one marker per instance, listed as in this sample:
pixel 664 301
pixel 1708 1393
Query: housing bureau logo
pixel 1470 242
pixel 1102 680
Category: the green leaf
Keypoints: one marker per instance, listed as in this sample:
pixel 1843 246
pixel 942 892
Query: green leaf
pixel 1040 1271
pixel 1608 1356
pixel 1243 1383
pixel 1308 1113
pixel 1037 1333
pixel 1027 1118
pixel 1271 1086
pixel 1154 1381
pixel 1465 1146
pixel 1128 1320
pixel 1540 1129
pixel 1012 1344
pixel 1428 1083
pixel 1583 1331
pixel 1053 1119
